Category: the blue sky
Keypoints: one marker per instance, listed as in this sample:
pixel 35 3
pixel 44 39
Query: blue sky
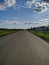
pixel 23 13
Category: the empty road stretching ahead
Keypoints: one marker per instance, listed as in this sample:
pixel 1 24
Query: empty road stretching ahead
pixel 23 48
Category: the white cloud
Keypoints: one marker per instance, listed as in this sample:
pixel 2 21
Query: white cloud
pixel 2 7
pixel 44 19
pixel 17 7
pixel 44 22
pixel 15 22
pixel 30 22
pixel 29 3
pixel 9 22
pixel 40 7
pixel 7 3
pixel 47 3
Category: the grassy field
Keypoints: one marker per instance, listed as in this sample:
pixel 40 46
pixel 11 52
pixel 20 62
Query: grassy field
pixel 41 34
pixel 4 32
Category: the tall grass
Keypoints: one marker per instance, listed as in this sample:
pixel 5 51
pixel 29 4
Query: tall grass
pixel 4 32
pixel 41 34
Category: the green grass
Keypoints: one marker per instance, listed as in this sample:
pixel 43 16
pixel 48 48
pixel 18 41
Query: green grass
pixel 4 32
pixel 41 34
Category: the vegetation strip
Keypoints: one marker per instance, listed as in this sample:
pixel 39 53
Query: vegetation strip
pixel 41 34
pixel 4 32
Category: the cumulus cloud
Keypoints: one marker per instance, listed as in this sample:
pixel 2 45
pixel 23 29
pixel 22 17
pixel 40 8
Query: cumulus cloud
pixel 47 2
pixel 29 3
pixel 40 7
pixel 37 6
pixel 7 3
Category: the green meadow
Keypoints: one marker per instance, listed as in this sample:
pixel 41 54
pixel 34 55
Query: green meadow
pixel 4 32
pixel 41 34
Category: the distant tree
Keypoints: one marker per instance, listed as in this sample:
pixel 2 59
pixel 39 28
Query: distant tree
pixel 48 26
pixel 31 28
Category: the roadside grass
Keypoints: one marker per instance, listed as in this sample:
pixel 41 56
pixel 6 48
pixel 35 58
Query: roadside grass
pixel 41 34
pixel 4 32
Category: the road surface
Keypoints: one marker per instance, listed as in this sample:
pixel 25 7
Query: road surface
pixel 23 48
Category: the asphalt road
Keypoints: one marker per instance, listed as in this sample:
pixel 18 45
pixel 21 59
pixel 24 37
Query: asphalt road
pixel 23 48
